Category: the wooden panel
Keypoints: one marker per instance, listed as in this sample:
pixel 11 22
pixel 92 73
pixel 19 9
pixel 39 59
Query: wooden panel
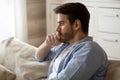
pixel 36 17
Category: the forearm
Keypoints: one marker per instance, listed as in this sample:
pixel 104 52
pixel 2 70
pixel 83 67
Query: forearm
pixel 42 51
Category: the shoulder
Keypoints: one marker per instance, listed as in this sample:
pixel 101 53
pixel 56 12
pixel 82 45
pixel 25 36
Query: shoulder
pixel 88 43
pixel 89 46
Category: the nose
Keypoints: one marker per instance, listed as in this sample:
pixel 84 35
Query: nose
pixel 58 28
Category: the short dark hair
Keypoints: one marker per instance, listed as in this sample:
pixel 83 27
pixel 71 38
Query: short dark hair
pixel 75 11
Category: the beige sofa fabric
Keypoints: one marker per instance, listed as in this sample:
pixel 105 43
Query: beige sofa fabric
pixel 18 57
pixel 6 74
pixel 113 72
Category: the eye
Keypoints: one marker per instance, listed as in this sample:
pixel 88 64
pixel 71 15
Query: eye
pixel 61 23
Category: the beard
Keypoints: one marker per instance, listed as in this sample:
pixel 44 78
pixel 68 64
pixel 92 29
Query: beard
pixel 67 36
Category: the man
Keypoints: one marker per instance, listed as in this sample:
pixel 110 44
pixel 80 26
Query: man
pixel 73 54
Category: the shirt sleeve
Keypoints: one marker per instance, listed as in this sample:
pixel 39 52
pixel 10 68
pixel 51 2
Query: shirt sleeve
pixel 50 56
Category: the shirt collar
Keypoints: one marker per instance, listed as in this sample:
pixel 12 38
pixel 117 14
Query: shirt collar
pixel 88 38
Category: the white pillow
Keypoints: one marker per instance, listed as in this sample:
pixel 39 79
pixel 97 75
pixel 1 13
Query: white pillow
pixel 18 56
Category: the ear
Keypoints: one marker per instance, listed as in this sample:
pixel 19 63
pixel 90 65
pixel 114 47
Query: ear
pixel 77 24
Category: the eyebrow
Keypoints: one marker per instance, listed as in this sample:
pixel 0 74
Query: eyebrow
pixel 61 22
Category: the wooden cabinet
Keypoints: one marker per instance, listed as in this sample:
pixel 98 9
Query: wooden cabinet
pixel 104 24
pixel 36 21
pixel 108 31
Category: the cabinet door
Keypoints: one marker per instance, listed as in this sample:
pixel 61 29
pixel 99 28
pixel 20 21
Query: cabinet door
pixel 109 31
pixel 110 43
pixel 111 19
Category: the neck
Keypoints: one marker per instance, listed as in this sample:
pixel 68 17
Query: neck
pixel 78 37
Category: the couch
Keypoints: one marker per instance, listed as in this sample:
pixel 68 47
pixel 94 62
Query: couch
pixel 17 62
pixel 113 71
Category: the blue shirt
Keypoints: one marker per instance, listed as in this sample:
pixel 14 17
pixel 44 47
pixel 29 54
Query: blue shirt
pixel 86 60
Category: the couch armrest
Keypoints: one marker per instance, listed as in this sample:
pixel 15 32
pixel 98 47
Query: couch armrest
pixel 113 71
pixel 6 74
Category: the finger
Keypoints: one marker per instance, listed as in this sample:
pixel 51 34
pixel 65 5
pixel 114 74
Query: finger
pixel 57 39
pixel 58 35
pixel 48 38
pixel 53 38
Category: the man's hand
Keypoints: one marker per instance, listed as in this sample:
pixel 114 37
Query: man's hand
pixel 44 48
pixel 53 39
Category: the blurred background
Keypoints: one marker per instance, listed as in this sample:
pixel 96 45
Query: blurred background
pixel 24 19
pixel 31 20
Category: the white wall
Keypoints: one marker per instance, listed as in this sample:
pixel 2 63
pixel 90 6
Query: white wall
pixel 13 19
pixel 6 19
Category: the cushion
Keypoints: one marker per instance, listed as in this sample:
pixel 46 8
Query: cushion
pixel 6 74
pixel 18 57
pixel 113 72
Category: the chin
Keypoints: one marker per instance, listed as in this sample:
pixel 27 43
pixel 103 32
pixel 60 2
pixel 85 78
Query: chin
pixel 64 41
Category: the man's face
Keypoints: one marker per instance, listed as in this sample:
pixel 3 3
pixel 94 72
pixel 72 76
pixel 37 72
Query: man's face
pixel 64 28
